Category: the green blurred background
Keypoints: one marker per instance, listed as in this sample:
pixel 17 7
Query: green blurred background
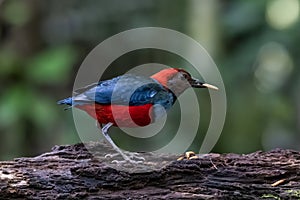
pixel 255 44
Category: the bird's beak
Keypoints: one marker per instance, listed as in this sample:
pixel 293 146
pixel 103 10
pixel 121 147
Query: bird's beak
pixel 198 84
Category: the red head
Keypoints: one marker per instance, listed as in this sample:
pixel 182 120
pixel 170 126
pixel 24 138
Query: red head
pixel 178 80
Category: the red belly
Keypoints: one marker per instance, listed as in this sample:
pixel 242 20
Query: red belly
pixel 119 115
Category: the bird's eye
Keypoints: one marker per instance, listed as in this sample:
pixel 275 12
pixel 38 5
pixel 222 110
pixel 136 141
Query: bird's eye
pixel 185 76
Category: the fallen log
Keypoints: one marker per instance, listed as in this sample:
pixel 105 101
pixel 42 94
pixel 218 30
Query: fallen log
pixel 73 172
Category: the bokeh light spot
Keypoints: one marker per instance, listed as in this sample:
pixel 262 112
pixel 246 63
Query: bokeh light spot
pixel 274 67
pixel 282 14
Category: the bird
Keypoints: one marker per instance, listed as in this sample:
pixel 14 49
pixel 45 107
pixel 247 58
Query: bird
pixel 131 100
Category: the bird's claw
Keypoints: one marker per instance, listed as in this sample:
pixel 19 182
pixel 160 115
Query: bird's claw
pixel 135 156
pixel 111 155
pixel 118 162
pixel 129 157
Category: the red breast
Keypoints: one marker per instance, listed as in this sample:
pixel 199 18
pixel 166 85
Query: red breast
pixel 120 115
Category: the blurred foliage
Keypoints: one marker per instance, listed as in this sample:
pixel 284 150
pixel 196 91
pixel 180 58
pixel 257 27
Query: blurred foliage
pixel 16 12
pixel 254 43
pixel 51 65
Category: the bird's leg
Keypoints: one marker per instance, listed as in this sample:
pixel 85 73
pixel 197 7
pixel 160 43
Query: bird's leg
pixel 105 129
pixel 108 138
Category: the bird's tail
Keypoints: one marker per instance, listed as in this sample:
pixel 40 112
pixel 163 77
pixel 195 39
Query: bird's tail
pixel 67 101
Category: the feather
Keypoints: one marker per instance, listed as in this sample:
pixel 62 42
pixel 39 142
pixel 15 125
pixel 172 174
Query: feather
pixel 128 89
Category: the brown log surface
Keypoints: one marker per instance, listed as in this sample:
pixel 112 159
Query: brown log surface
pixel 72 172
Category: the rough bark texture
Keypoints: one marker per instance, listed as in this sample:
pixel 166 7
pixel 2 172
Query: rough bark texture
pixel 72 172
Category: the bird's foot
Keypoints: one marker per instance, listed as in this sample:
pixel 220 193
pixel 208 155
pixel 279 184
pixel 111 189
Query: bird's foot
pixel 129 157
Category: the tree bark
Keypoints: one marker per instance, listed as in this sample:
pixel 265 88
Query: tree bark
pixel 73 172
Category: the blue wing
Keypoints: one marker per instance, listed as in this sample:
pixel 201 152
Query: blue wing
pixel 125 90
